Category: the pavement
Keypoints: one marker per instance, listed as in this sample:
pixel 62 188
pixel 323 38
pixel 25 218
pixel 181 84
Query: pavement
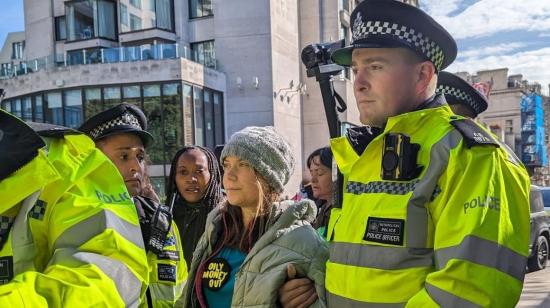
pixel 536 290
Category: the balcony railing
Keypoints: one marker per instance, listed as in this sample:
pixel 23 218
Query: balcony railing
pixel 104 55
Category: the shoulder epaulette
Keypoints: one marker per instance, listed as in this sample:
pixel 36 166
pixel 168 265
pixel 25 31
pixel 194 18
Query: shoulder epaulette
pixel 51 130
pixel 473 134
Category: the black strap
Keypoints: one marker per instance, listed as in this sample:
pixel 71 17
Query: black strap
pixel 342 105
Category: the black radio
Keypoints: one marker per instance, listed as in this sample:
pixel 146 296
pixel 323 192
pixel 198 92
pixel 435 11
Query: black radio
pixel 399 158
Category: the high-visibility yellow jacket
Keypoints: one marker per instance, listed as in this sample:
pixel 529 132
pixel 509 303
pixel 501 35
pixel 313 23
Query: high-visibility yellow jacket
pixel 455 236
pixel 167 269
pixel 66 246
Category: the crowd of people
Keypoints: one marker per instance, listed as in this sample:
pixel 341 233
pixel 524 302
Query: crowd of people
pixel 435 209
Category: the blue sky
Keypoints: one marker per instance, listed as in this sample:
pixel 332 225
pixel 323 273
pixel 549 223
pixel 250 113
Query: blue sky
pixel 11 18
pixel 490 33
pixel 498 33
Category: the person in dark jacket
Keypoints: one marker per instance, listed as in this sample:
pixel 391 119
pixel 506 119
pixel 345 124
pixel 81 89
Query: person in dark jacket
pixel 195 181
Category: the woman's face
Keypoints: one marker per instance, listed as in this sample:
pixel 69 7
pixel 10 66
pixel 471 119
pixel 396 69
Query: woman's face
pixel 241 183
pixel 321 179
pixel 192 175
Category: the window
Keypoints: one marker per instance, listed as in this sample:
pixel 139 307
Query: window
pixel 344 34
pixel 16 107
pixel 204 53
pixel 135 23
pixel 153 112
pixel 17 50
pixel 60 28
pixel 199 120
pixel 509 127
pixel 132 95
pixel 136 3
pixel 73 108
pixel 92 102
pixel 173 126
pixel 111 97
pixel 6 105
pixel 87 19
pixel 5 69
pixel 123 15
pixel 208 120
pixel 187 94
pixel 164 14
pixel 54 108
pixel 148 14
pixel 218 118
pixel 344 5
pixel 26 109
pixel 38 109
pixel 200 8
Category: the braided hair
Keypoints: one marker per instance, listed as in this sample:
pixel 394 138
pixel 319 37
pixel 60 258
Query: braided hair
pixel 213 193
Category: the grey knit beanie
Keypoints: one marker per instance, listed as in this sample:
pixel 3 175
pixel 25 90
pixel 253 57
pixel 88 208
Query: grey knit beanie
pixel 266 151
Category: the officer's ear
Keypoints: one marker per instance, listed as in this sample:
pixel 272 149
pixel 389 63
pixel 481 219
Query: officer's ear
pixel 426 79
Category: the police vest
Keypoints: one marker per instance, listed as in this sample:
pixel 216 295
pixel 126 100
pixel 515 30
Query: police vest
pixel 456 235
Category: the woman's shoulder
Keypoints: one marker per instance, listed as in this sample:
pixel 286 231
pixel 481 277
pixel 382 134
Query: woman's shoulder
pixel 304 210
pixel 297 233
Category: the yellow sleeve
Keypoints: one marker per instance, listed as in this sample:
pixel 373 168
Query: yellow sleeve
pixel 480 232
pixel 86 246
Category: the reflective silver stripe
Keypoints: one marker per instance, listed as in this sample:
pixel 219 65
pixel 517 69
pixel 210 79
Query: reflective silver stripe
pixel 426 189
pixel 386 187
pixel 86 229
pixel 24 250
pixel 512 157
pixel 337 301
pixel 166 293
pixel 380 257
pixel 484 252
pixel 446 299
pixel 127 284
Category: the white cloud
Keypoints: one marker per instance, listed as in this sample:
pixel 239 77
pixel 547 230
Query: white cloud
pixel 488 17
pixel 531 64
pixel 490 50
pixel 439 7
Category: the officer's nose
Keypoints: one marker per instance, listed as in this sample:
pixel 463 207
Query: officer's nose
pixel 360 83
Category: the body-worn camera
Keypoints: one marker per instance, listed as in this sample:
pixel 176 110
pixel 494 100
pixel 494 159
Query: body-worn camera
pixel 399 158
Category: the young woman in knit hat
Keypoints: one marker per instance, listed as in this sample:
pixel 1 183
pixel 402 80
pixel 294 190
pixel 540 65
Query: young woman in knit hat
pixel 252 242
pixel 196 181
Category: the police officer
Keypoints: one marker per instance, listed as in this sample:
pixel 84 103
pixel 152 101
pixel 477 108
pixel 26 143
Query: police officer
pixel 468 102
pixel 463 99
pixel 121 133
pixel 61 243
pixel 433 213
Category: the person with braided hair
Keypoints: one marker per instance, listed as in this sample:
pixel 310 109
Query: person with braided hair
pixel 195 181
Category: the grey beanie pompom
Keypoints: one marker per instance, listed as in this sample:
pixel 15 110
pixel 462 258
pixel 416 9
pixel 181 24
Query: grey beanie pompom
pixel 266 151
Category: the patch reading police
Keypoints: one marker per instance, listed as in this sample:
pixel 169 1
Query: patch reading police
pixel 166 272
pixel 385 231
pixel 216 274
pixel 6 269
